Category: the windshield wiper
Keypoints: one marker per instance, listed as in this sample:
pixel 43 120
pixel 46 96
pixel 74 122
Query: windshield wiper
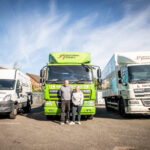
pixel 84 81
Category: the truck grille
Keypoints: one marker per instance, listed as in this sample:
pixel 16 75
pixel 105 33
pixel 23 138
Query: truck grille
pixel 142 92
pixel 57 96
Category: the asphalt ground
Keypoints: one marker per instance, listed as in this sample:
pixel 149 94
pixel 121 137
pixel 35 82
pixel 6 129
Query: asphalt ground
pixel 107 131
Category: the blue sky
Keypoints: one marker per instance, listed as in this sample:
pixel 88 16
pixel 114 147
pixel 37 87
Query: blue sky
pixel 31 29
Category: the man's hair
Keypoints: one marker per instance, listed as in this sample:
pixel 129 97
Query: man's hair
pixel 67 81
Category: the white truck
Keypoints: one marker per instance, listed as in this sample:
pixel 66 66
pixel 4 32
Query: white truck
pixel 126 83
pixel 15 92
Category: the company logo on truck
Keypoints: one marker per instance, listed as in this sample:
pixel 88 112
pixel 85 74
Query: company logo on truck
pixel 67 56
pixel 142 57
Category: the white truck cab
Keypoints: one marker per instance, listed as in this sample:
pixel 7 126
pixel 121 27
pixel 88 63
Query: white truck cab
pixel 126 83
pixel 15 92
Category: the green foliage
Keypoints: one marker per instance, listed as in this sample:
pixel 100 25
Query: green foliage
pixel 98 85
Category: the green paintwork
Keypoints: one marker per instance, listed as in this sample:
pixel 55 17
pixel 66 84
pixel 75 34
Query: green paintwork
pixel 69 58
pixel 64 59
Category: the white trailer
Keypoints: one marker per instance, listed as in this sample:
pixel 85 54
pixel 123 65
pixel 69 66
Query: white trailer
pixel 15 92
pixel 126 83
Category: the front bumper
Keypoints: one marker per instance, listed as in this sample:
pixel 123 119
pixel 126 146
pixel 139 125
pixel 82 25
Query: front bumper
pixel 48 110
pixel 6 106
pixel 137 110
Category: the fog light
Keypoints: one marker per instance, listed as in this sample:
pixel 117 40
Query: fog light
pixel 133 102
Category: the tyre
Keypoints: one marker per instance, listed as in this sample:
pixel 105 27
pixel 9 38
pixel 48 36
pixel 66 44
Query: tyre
pixel 106 105
pixel 27 109
pixel 90 117
pixel 122 108
pixel 13 114
pixel 50 117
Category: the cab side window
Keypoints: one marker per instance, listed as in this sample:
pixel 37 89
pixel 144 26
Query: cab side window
pixel 124 75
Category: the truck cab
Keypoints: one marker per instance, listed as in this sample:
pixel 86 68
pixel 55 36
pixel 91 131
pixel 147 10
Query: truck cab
pixel 76 68
pixel 15 92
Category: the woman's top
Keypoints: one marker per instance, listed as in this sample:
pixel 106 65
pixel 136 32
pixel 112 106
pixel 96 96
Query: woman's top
pixel 77 98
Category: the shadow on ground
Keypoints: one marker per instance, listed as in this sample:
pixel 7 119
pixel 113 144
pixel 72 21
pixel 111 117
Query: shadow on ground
pixel 101 112
pixel 37 113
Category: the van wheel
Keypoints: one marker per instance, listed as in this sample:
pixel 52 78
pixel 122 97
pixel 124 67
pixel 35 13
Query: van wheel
pixel 90 117
pixel 13 114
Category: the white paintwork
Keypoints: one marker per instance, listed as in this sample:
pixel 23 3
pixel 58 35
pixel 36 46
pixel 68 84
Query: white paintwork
pixel 24 82
pixel 112 88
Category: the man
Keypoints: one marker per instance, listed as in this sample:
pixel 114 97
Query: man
pixel 66 94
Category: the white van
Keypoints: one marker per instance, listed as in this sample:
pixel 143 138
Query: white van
pixel 15 92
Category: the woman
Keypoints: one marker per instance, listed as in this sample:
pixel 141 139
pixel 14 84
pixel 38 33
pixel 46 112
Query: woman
pixel 77 99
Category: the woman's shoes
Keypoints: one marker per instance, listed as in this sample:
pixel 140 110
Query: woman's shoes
pixel 71 123
pixel 79 122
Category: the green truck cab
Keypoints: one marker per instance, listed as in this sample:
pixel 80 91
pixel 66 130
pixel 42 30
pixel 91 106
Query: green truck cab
pixel 72 66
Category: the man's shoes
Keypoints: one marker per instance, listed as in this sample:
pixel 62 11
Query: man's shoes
pixel 62 123
pixel 67 122
pixel 71 123
pixel 79 122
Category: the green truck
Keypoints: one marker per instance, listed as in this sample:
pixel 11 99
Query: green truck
pixel 75 67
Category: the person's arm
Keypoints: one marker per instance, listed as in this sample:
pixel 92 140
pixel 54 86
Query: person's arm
pixel 60 92
pixel 73 99
pixel 82 98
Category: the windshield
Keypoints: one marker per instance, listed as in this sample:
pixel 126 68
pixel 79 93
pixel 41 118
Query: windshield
pixel 140 73
pixel 7 84
pixel 69 72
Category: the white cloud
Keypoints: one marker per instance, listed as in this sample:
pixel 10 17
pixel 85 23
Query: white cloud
pixel 31 39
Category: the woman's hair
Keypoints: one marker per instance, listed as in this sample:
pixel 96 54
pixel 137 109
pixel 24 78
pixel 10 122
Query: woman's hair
pixel 77 87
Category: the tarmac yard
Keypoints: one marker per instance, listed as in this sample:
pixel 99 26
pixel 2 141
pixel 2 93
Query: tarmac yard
pixel 107 131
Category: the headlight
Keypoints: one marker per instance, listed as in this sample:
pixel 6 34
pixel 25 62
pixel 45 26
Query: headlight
pixel 90 103
pixel 48 103
pixel 86 91
pixel 133 102
pixel 7 98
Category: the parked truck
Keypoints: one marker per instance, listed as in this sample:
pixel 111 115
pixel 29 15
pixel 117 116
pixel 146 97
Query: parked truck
pixel 72 66
pixel 15 92
pixel 126 83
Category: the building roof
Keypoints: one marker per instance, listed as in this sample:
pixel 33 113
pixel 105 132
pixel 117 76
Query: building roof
pixel 2 68
pixel 34 77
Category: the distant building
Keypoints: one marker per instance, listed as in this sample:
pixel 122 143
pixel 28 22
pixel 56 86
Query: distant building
pixel 2 68
pixel 35 80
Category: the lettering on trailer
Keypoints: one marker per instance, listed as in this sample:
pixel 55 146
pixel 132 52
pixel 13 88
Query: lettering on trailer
pixel 143 57
pixel 63 56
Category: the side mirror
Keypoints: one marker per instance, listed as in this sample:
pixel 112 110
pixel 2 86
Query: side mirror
pixel 99 73
pixel 41 80
pixel 120 81
pixel 99 80
pixel 41 73
pixel 119 74
pixel 19 89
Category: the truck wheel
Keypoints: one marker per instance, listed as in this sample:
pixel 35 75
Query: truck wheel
pixel 13 114
pixel 90 117
pixel 50 117
pixel 122 108
pixel 106 106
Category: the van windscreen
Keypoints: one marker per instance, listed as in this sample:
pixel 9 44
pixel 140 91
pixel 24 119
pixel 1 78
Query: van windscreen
pixel 6 84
